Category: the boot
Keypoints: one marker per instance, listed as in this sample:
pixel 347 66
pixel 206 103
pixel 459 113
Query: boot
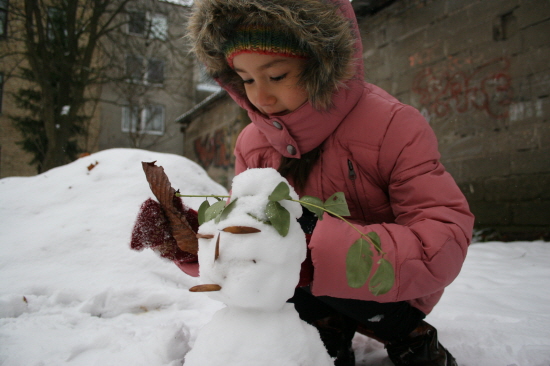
pixel 420 348
pixel 336 333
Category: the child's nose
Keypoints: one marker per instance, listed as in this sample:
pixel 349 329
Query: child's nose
pixel 264 97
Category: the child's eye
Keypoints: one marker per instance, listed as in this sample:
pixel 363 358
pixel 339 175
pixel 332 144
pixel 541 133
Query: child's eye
pixel 279 78
pixel 248 81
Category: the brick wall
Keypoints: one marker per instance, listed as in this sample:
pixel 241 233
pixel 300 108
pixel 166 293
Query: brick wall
pixel 479 71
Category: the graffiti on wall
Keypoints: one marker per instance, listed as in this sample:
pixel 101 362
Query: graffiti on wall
pixel 212 150
pixel 460 87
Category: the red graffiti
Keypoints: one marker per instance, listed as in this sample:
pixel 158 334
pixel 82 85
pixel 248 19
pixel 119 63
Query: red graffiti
pixel 212 150
pixel 487 88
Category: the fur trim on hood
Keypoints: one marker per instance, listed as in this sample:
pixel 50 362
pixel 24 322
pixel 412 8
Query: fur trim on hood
pixel 328 39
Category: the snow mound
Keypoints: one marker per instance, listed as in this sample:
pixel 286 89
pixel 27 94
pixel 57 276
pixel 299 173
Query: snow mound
pixel 71 290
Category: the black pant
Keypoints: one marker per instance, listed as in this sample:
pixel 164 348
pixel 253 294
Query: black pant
pixel 388 321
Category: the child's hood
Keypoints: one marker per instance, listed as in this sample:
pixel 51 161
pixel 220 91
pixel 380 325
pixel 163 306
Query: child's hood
pixel 333 76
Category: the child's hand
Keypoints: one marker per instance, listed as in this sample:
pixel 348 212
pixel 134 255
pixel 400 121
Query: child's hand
pixel 152 230
pixel 172 207
pixel 167 226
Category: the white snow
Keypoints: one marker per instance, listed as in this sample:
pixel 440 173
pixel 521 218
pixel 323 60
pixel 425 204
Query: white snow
pixel 257 272
pixel 73 293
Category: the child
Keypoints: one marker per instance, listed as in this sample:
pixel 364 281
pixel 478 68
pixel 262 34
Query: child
pixel 296 67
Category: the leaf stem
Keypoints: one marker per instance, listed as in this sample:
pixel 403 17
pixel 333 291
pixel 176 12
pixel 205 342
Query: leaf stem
pixel 369 240
pixel 200 195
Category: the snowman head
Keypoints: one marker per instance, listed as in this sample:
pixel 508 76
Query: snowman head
pixel 255 266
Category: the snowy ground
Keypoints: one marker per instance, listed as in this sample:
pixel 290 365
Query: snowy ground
pixel 73 293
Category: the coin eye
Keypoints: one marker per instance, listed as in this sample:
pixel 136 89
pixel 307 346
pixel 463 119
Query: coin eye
pixel 241 230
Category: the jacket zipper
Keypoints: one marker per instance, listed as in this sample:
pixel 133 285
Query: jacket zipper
pixel 352 176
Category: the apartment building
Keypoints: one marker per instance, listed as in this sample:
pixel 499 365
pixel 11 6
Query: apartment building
pixel 146 79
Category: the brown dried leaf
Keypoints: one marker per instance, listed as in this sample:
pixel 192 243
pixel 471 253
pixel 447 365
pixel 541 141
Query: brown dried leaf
pixel 91 166
pixel 241 230
pixel 163 191
pixel 205 288
pixel 205 236
pixel 217 250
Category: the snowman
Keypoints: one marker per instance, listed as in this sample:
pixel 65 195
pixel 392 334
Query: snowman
pixel 248 265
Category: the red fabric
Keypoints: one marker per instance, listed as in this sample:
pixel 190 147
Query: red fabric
pixel 152 230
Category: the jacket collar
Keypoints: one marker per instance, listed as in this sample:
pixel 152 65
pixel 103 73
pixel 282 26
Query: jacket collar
pixel 302 130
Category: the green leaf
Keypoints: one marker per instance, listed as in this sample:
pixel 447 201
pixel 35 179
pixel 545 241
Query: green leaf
pixel 281 192
pixel 358 263
pixel 279 217
pixel 308 201
pixel 214 211
pixel 337 204
pixel 258 219
pixel 376 241
pixel 202 209
pixel 226 210
pixel 383 278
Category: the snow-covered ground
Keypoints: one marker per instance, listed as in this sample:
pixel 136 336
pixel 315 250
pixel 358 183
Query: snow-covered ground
pixel 73 293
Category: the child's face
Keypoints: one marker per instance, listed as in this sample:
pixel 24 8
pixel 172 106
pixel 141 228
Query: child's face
pixel 271 82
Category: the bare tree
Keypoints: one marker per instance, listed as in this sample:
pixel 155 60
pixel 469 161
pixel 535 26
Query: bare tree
pixel 154 58
pixel 66 50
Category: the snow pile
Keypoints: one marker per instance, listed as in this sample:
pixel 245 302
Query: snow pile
pixel 73 293
pixel 258 272
pixel 71 290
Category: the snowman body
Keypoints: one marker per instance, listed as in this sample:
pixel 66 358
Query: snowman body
pixel 244 337
pixel 257 272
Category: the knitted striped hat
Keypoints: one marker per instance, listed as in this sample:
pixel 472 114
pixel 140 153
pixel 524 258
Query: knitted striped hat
pixel 256 39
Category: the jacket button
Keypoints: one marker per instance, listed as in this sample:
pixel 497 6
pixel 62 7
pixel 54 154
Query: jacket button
pixel 291 150
pixel 277 125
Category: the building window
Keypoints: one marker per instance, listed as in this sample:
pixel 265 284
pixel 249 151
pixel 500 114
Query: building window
pixel 134 68
pixel 137 23
pixel 57 25
pixel 147 25
pixel 3 18
pixel 159 27
pixel 205 82
pixel 155 71
pixel 148 119
pixel 139 69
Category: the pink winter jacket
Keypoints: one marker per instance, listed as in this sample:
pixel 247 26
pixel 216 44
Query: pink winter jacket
pixel 383 155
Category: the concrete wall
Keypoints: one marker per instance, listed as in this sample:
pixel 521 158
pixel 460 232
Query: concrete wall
pixel 479 71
